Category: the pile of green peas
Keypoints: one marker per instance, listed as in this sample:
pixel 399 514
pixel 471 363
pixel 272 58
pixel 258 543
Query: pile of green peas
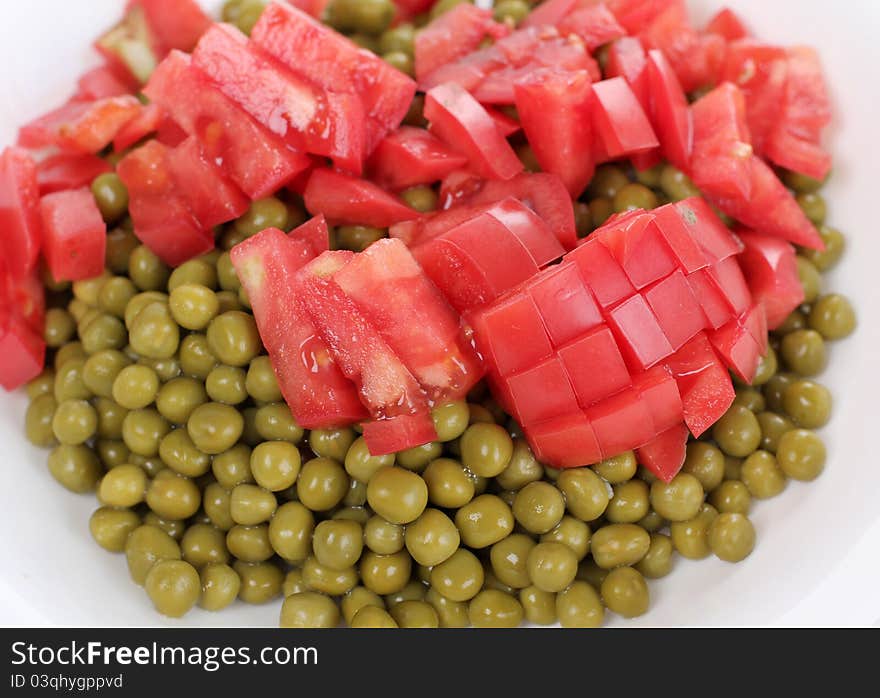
pixel 160 399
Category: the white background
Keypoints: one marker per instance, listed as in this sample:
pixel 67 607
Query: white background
pixel 817 556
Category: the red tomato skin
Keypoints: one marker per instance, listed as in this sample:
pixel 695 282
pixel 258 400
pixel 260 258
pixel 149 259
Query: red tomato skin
pixel 728 278
pixel 346 199
pixel 566 442
pixel 258 162
pixel 74 235
pixel 566 305
pixel 635 15
pixel 318 394
pixel 101 82
pixel 639 248
pixel 459 120
pixel 177 24
pixel 554 109
pixel 704 225
pixel 670 113
pixel 420 327
pixel 505 124
pixel 431 226
pixel 450 36
pixel 641 338
pixel 412 156
pixel 619 120
pixel 712 301
pixel 314 233
pixel 605 277
pixel 664 455
pixel 659 391
pixel 23 352
pixel 737 346
pixel 798 155
pixel 25 298
pixel 621 422
pixel 329 60
pixel 677 310
pixel 307 119
pixel 595 366
pixel 212 198
pixel 19 212
pixel 770 269
pixel 455 273
pixel 69 171
pixel 387 436
pixel 80 127
pixel 541 392
pixel 529 229
pixel 594 24
pixel 550 13
pixel 627 59
pixel 678 224
pixel 141 126
pixel 727 24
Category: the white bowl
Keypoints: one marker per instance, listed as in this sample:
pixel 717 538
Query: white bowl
pixel 816 560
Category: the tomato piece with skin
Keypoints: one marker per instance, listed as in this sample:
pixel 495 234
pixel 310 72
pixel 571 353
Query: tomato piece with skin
pixel 412 156
pixel 627 59
pixel 313 385
pixel 23 351
pixel 316 8
pixel 162 218
pixel 506 125
pixel 670 113
pixel 550 13
pixel 541 392
pixel 636 15
pixel 176 24
pixel 24 297
pixel 639 247
pixel 334 63
pixel 659 391
pixel 594 24
pixel 566 442
pixel 726 23
pixel 307 118
pixel 736 344
pixel 770 269
pixel 130 46
pixel 797 154
pixel 74 235
pixel 346 199
pixel 423 229
pixel 69 171
pixel 257 161
pixel 460 121
pixel 455 273
pixel 677 310
pixel 728 278
pixel 664 455
pixel 602 273
pixel 314 233
pixel 595 366
pixel 211 197
pixel 554 109
pixel 395 434
pixel 695 234
pixel 567 306
pixel 714 305
pixel 420 327
pixel 621 422
pixel 149 121
pixel 619 120
pixel 529 229
pixel 19 212
pixel 101 82
pixel 642 341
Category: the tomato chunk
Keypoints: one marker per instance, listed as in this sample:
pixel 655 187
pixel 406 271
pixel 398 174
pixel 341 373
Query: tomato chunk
pixel 728 278
pixel 659 391
pixel 412 156
pixel 620 121
pixel 726 23
pixel 345 199
pixel 529 229
pixel 635 15
pixel 594 24
pixel 459 120
pixel 147 122
pixel 101 82
pixel 541 392
pixel 81 127
pixel 23 351
pixel 621 422
pixel 175 23
pixel 605 277
pixel 641 338
pixel 639 247
pixel 130 46
pixel 69 171
pixel 395 434
pixel 664 454
pixel 595 366
pixel 770 268
pixel 24 297
pixel 670 114
pixel 307 119
pixel 258 162
pixel 566 442
pixel 677 310
pixel 19 212
pixel 567 307
pixel 74 235
pixel 737 345
pixel 314 233
pixel 554 109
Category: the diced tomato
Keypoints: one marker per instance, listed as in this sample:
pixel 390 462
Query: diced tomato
pixel 386 386
pixel 738 347
pixel 550 13
pixel 130 47
pixel 306 118
pixel 659 391
pixel 386 436
pixel 798 155
pixel 627 59
pixel 419 326
pixel 619 120
pixel 566 442
pixel 149 121
pixel 595 366
pixel 81 127
pixel 727 24
pixel 567 307
pixel 506 125
pixel 101 82
pixel 641 338
pixel 510 334
pixel 345 199
pixel 770 268
pixel 423 229
pixel 24 297
pixel 664 455
pixel 69 171
pixel 412 156
pixel 594 24
pixel 176 24
pixel 695 234
pixel 459 120
pixel 635 15
pixel 162 218
pixel 639 247
pixel 541 392
pixel 450 36
pixel 715 306
pixel 677 311
pixel 74 235
pixel 211 197
pixel 258 162
pixel 728 278
pixel 554 109
pixel 335 63
pixel 605 277
pixel 316 7
pixel 19 212
pixel 529 228
pixel 621 422
pixel 318 394
pixel 705 386
pixel 22 349
pixel 314 233
pixel 670 114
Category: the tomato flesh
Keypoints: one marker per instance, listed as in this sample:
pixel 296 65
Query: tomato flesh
pixel 412 156
pixel 23 351
pixel 770 269
pixel 74 235
pixel 314 233
pixel 664 455
pixel 346 199
pixel 81 127
pixel 595 366
pixel 594 24
pixel 566 305
pixel 452 35
pixel 19 212
pixel 620 122
pixel 101 82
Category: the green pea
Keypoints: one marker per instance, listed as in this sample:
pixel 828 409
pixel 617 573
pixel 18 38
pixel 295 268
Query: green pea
pixel 154 333
pixel 607 181
pixel 512 11
pixel 38 421
pixel 262 214
pixel 835 245
pixel 261 383
pixel 75 467
pixel 677 185
pixel 773 426
pixel 625 592
pixel 813 206
pixel 659 559
pixel 737 433
pixel 111 527
pixel 234 339
pixel 800 454
pixel 833 317
pixel 146 270
pixel 367 16
pixel 111 196
pixel 274 422
pixel 762 475
pixel 731 496
pixel 706 463
pixel 732 537
pixel 810 278
pixel 215 428
pixel 357 238
pixel 808 404
pixel 690 537
pixel 634 196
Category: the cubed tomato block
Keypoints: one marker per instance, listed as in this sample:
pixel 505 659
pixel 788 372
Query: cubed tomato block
pixel 430 226
pixel 670 113
pixel 529 229
pixel 22 349
pixel 602 273
pixel 627 59
pixel 676 308
pixel 619 120
pixel 412 156
pixel 542 392
pixel 304 116
pixel 149 121
pixel 346 199
pixel 594 24
pixel 566 305
pixel 639 247
pixel 695 234
pixel 314 233
pixel 386 386
pixel 565 442
pixel 712 300
pixel 19 212
pixel 257 161
pixel 635 15
pixel 791 152
pixel 641 338
pixel 74 235
pixel 457 275
pixel 175 23
pixel 505 124
pixel 212 198
pixel 24 297
pixel 736 344
pixel 81 127
pixel 665 454
pixel 621 422
pixel 510 335
pixel 727 24
pixel 729 279
pixel 69 171
pixel 770 269
pixel 462 123
pixel 703 382
pixel 395 434
pixel 658 389
pixel 550 13
pixel 451 36
pixel 102 82
pixel 419 326
pixel 595 366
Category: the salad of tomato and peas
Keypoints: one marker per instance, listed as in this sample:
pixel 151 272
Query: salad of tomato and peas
pixel 437 276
